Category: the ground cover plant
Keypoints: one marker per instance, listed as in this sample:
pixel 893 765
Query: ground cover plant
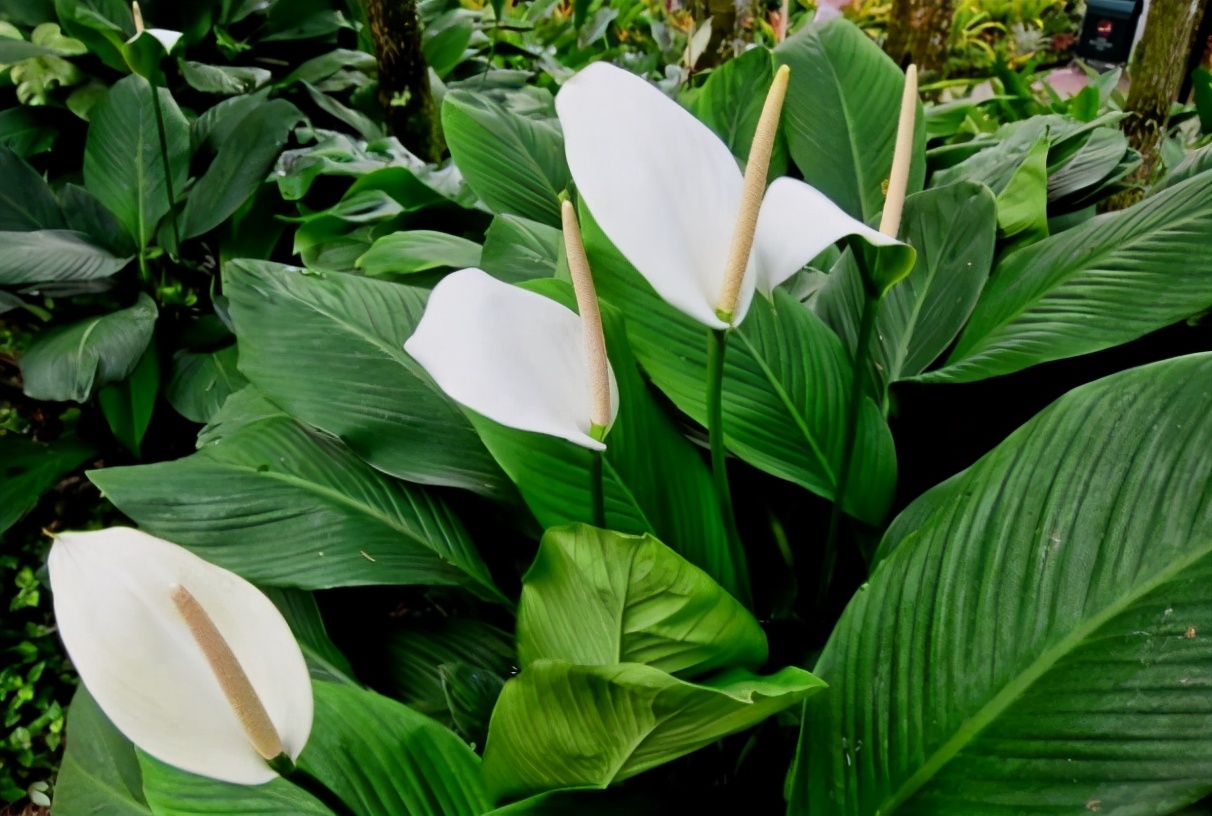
pixel 750 437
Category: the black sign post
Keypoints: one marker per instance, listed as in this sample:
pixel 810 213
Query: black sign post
pixel 1108 30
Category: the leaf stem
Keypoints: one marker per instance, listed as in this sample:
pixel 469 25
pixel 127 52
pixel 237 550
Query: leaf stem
pixel 871 308
pixel 717 343
pixel 168 170
pixel 597 488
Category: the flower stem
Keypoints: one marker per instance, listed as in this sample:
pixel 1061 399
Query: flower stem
pixel 871 307
pixel 168 170
pixel 717 343
pixel 597 488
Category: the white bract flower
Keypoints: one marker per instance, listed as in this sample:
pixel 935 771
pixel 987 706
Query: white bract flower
pixel 668 193
pixel 513 355
pixel 167 39
pixel 191 663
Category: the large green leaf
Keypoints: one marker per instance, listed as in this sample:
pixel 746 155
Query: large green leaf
pixel 515 164
pixel 123 165
pixel 384 759
pixel 287 507
pixel 26 200
pixel 402 253
pixel 595 597
pixel 128 405
pixel 27 468
pixel 953 230
pixel 1113 279
pixel 841 114
pixel 1035 638
pixel 44 256
pixel 202 381
pixel 67 362
pixel 786 383
pixel 240 167
pixel 559 725
pixel 329 348
pixel 172 792
pixel 518 249
pixel 654 481
pixel 100 774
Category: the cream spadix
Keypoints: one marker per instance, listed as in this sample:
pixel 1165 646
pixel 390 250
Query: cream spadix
pixel 191 663
pixel 668 192
pixel 513 355
pixel 591 321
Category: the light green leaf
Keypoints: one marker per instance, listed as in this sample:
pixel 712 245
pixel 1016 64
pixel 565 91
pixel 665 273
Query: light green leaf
pixel 841 113
pixel 558 725
pixel 241 166
pixel 67 362
pixel 224 80
pixel 44 256
pixel 786 383
pixel 123 166
pixel 100 774
pixel 596 598
pixel 1035 638
pixel 348 374
pixel 515 164
pixel 1114 278
pixel 518 249
pixel 202 381
pixel 27 468
pixel 384 759
pixel 286 507
pixel 654 480
pixel 172 792
pixel 402 253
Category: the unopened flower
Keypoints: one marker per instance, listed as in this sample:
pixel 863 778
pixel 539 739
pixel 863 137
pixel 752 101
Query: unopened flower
pixel 192 663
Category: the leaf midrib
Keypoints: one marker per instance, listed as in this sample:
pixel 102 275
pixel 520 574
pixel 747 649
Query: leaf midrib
pixel 1025 679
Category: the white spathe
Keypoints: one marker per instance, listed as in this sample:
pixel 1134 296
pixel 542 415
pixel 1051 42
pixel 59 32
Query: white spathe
pixel 510 354
pixel 168 39
pixel 139 660
pixel 667 192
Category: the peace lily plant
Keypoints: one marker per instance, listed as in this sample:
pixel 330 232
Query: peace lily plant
pixel 191 662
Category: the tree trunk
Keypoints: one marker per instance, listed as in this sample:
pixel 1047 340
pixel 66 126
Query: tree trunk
pixel 404 91
pixel 1157 70
pixel 919 31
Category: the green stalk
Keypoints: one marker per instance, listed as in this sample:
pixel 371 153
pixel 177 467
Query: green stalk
pixel 871 308
pixel 168 170
pixel 597 488
pixel 717 343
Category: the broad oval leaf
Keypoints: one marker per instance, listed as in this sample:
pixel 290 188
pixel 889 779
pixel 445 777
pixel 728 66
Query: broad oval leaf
pixel 67 362
pixel 46 256
pixel 786 383
pixel 172 792
pixel 595 597
pixel 342 339
pixel 280 505
pixel 518 249
pixel 515 164
pixel 123 164
pixel 402 253
pixel 1111 280
pixel 841 113
pixel 100 771
pixel 559 725
pixel 1036 636
pixel 202 381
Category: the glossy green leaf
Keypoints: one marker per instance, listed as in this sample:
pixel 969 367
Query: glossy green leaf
pixel 202 381
pixel 123 165
pixel 27 468
pixel 224 80
pixel 417 652
pixel 23 133
pixel 46 256
pixel 402 253
pixel 515 164
pixel 67 362
pixel 302 614
pixel 786 383
pixel 100 774
pixel 241 166
pixel 654 481
pixel 730 103
pixel 102 25
pixel 1113 279
pixel 596 598
pixel 384 759
pixel 558 725
pixel 85 214
pixel 26 200
pixel 518 249
pixel 1035 637
pixel 348 373
pixel 841 113
pixel 172 792
pixel 953 230
pixel 1022 205
pixel 282 506
pixel 128 404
